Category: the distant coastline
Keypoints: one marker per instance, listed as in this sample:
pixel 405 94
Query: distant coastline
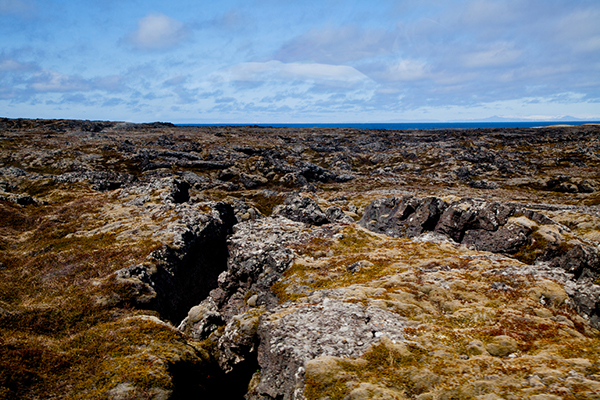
pixel 414 125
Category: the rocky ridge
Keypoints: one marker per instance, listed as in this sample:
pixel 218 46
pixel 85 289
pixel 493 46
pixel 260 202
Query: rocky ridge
pixel 155 261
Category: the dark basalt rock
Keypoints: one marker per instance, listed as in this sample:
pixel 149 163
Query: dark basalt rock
pixel 205 165
pixel 585 188
pixel 12 172
pixel 314 173
pixel 251 181
pixel 302 209
pixel 20 199
pixel 562 185
pixel 581 260
pixel 258 255
pixel 565 184
pixel 195 180
pixel 505 240
pixel 336 214
pixel 403 217
pixel 180 191
pixel 469 215
pixel 174 279
pixel 483 184
pixel 479 224
pixel 99 180
pixel 486 226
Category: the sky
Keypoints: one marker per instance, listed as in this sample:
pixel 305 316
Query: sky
pixel 284 61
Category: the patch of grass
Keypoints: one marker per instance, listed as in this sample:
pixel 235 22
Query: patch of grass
pixel 137 351
pixel 48 290
pixel 266 203
pixel 535 247
pixel 592 200
pixel 114 161
pixel 384 365
pixel 315 389
pixel 14 218
pixel 29 366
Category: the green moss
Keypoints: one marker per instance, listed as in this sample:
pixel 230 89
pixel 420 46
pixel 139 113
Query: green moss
pixel 315 389
pixel 354 239
pixel 382 365
pixel 529 333
pixel 135 351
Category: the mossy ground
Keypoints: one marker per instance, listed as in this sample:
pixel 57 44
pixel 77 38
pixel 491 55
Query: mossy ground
pixel 50 283
pixel 452 298
pixel 65 332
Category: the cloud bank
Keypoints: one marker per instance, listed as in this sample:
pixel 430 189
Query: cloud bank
pixel 157 32
pixel 290 61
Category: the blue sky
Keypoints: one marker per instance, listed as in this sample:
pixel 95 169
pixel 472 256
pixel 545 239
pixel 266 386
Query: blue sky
pixel 260 61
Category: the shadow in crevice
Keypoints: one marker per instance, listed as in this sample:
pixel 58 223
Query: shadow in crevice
pixel 210 382
pixel 185 276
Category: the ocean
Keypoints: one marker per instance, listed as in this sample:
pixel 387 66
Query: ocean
pixel 414 125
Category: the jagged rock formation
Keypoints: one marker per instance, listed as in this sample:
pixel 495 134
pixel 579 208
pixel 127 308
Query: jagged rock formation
pixel 153 261
pixel 509 229
pixel 176 277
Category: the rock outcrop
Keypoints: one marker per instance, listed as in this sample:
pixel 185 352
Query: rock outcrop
pixel 178 276
pixel 504 228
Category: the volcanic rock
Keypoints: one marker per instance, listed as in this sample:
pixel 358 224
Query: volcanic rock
pixel 472 273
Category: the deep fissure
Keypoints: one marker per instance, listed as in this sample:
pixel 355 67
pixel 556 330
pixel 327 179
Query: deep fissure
pixel 186 278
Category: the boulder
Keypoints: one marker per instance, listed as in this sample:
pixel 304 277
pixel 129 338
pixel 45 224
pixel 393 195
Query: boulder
pixel 336 214
pixel 325 328
pixel 483 184
pixel 100 180
pixel 301 209
pixel 403 217
pixel 252 181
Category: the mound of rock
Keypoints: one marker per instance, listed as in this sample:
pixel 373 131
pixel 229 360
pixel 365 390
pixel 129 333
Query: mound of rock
pixel 503 228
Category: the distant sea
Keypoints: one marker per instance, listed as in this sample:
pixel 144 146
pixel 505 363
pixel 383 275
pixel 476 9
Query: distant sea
pixel 415 125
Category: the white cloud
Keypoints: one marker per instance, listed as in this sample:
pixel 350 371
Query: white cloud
pixel 311 72
pixel 337 45
pixel 232 20
pixel 497 55
pixel 157 32
pixel 9 65
pixel 407 70
pixel 487 12
pixel 51 81
pixel 581 30
pixel 273 86
pixel 177 80
pixel 112 83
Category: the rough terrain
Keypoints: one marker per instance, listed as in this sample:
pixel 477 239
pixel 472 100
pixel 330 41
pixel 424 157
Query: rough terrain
pixel 151 261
